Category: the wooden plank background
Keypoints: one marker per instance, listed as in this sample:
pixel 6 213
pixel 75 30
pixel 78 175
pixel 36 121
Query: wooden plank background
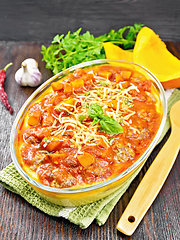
pixel 41 20
pixel 25 25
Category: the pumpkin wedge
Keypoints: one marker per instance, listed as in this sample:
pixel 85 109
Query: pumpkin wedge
pixel 151 52
pixel 114 52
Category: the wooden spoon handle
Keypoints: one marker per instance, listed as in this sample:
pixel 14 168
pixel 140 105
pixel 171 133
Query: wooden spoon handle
pixel 150 185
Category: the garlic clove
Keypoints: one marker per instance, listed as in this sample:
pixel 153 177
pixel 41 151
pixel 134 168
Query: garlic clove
pixel 18 76
pixel 28 74
pixel 30 61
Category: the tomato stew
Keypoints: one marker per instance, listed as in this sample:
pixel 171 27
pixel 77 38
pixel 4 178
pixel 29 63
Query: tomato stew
pixel 89 126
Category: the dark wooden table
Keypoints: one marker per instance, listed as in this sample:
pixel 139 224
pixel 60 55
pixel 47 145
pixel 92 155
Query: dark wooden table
pixel 25 25
pixel 40 20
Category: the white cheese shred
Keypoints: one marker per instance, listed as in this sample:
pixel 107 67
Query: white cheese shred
pixel 84 132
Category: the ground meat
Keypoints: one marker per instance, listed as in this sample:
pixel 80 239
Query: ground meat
pixel 71 162
pixel 69 182
pixel 144 134
pixel 62 179
pixel 38 133
pixel 32 140
pixel 123 153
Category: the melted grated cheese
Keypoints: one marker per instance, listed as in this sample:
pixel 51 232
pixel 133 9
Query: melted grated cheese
pixel 85 133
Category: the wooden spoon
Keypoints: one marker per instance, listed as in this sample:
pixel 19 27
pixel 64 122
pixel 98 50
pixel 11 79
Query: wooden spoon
pixel 154 178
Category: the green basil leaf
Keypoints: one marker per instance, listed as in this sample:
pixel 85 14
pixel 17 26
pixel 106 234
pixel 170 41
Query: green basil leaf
pixel 100 129
pixel 95 111
pixel 85 106
pixel 110 125
pixel 95 121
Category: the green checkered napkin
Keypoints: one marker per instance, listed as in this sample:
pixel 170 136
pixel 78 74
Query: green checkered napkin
pixel 82 215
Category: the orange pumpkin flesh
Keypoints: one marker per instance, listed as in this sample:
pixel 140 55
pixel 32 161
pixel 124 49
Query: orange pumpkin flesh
pixel 114 52
pixel 151 52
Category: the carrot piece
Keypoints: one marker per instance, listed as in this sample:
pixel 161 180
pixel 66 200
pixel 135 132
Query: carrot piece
pixel 85 159
pixel 113 104
pixel 119 78
pixel 56 86
pixel 125 74
pixel 56 157
pixel 78 83
pixel 51 143
pixel 34 114
pixel 79 72
pixel 96 69
pixel 69 101
pixel 137 75
pixel 68 88
pixel 120 167
pixel 47 121
pixel 101 143
pixel 33 120
pixel 106 74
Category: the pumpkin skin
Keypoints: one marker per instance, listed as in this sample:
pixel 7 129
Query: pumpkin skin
pixel 151 52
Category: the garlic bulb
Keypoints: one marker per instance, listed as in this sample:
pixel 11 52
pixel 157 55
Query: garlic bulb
pixel 28 74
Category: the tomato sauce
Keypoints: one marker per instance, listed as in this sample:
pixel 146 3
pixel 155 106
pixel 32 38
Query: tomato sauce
pixel 89 126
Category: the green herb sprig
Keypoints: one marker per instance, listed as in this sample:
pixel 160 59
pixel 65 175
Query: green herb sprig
pixel 73 48
pixel 108 124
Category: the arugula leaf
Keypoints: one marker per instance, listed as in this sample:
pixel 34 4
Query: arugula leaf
pixel 108 124
pixel 73 48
